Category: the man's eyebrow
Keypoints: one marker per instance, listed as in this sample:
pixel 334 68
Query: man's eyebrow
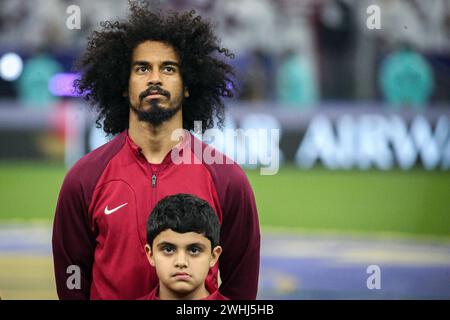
pixel 170 63
pixel 140 63
pixel 164 63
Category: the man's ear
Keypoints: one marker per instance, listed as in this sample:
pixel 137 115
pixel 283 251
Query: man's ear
pixel 149 254
pixel 215 255
pixel 186 92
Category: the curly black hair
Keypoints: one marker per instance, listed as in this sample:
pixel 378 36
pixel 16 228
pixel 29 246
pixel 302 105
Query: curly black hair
pixel 105 66
pixel 183 213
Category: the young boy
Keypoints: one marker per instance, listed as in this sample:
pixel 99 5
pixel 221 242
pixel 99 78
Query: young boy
pixel 183 244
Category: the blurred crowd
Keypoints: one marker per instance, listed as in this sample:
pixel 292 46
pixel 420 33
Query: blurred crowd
pixel 293 53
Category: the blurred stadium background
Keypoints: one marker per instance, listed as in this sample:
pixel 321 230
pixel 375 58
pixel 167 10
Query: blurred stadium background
pixel 363 114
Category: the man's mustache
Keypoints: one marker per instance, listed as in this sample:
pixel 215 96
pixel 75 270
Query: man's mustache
pixel 154 90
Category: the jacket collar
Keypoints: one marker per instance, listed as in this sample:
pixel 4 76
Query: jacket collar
pixel 178 148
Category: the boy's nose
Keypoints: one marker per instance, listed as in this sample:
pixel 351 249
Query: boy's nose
pixel 181 260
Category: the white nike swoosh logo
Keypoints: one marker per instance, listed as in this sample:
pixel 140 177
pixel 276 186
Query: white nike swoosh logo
pixel 115 209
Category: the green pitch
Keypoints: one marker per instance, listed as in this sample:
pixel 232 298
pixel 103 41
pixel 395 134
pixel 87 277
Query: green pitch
pixel 414 202
pixel 29 190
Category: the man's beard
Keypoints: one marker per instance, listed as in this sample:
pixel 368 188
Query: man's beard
pixel 155 115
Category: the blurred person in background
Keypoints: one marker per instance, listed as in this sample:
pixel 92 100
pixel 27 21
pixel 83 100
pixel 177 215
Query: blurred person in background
pixel 257 78
pixel 406 78
pixel 34 82
pixel 336 29
pixel 296 85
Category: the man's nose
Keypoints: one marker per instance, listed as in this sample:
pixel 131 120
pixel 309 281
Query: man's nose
pixel 154 78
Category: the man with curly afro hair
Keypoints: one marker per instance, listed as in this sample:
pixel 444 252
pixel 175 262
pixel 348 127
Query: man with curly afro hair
pixel 150 77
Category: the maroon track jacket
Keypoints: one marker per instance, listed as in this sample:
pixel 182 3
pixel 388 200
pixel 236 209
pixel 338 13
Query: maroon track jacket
pixel 102 210
pixel 155 292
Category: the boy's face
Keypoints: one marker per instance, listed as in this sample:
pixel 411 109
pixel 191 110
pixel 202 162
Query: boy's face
pixel 182 262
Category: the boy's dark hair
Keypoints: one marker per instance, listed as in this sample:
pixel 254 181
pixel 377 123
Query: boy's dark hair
pixel 105 66
pixel 183 213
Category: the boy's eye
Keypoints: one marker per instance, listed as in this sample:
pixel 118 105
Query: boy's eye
pixel 195 250
pixel 167 249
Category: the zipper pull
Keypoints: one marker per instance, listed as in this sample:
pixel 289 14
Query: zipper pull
pixel 154 180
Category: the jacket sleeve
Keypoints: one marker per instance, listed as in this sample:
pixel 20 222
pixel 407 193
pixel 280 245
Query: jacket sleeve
pixel 240 239
pixel 73 241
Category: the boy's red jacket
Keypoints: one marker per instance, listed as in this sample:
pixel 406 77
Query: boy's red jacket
pixel 155 292
pixel 102 210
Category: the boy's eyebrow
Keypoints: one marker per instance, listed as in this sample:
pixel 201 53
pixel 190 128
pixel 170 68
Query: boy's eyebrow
pixel 146 63
pixel 165 243
pixel 196 244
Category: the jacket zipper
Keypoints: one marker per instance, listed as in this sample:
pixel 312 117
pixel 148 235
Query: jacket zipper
pixel 153 187
pixel 154 180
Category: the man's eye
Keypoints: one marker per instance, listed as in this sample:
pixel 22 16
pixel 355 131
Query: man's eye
pixel 141 69
pixel 169 69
